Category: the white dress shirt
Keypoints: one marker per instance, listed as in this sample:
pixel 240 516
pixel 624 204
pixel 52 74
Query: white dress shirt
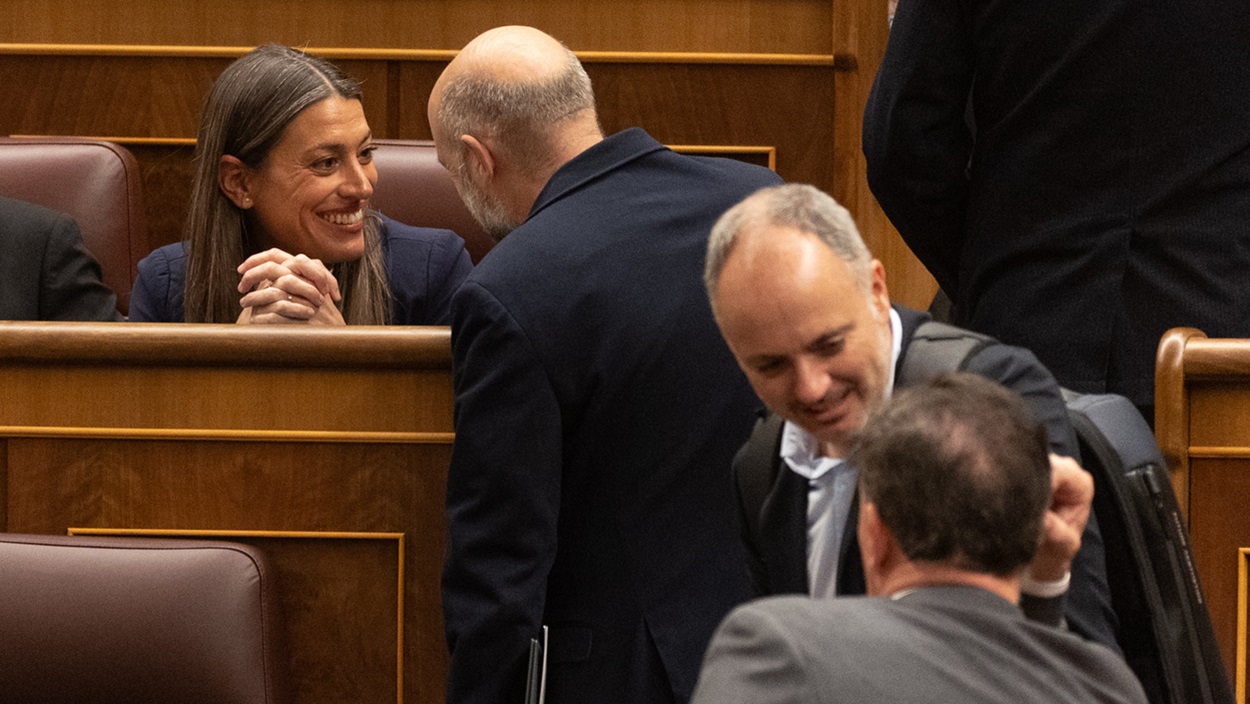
pixel 830 489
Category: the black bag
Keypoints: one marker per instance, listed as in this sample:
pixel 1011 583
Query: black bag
pixel 1165 629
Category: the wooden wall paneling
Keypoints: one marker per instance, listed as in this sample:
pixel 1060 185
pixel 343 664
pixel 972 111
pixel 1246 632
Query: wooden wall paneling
pixel 250 398
pixel 341 602
pixel 759 26
pixel 375 83
pixel 206 481
pixel 760 156
pixel 132 96
pixel 1243 626
pixel 860 30
pixel 719 104
pixel 1219 494
pixel 1202 423
pixel 4 482
pixel 139 96
pixel 166 171
pixel 201 427
pixel 1219 530
pixel 415 81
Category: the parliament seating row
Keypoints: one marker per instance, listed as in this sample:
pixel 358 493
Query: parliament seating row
pixel 99 185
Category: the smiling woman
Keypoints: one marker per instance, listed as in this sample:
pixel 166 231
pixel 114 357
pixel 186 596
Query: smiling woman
pixel 279 228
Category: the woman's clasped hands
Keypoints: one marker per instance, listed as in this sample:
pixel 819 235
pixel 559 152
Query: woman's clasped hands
pixel 281 288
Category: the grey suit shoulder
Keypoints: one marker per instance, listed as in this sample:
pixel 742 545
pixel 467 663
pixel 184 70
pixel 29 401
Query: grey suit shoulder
pixel 940 644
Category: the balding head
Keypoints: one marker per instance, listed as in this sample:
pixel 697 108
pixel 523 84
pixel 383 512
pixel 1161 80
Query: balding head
pixel 509 54
pixel 521 91
pixel 804 309
pixel 509 110
pixel 794 206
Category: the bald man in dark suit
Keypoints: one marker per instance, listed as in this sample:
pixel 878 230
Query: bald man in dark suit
pixel 597 408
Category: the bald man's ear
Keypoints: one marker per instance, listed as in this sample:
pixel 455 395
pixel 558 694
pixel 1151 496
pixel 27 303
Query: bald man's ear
pixel 478 157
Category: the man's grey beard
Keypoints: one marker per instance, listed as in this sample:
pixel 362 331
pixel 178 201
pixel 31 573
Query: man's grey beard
pixel 487 211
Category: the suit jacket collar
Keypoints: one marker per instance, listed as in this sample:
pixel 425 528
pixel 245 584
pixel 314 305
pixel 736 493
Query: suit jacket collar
pixel 964 597
pixel 911 319
pixel 608 155
pixel 783 533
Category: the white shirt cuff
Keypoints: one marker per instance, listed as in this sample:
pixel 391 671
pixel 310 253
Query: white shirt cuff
pixel 1045 590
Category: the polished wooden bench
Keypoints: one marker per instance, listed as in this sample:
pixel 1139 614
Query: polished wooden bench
pixel 1202 423
pixel 327 448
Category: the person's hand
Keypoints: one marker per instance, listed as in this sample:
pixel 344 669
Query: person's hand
pixel 282 288
pixel 269 305
pixel 311 281
pixel 1071 495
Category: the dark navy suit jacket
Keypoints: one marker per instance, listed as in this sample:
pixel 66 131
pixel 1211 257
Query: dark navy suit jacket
pixel 779 560
pixel 424 267
pixel 597 413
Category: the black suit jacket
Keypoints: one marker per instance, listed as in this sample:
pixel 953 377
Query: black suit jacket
pixel 597 412
pixel 46 273
pixel 1102 195
pixel 779 560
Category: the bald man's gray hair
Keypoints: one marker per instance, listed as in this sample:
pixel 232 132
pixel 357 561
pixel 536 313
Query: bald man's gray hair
pixel 802 207
pixel 521 114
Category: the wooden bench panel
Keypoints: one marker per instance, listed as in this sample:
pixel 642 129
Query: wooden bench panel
pixel 1202 423
pixel 327 448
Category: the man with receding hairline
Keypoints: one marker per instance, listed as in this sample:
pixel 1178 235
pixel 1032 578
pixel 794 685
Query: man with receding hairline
pixel 492 112
pixel 597 407
pixel 955 483
pixel 806 311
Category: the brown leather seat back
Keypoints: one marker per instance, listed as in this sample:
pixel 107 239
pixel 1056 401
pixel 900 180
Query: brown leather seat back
pixel 415 189
pixel 113 620
pixel 98 184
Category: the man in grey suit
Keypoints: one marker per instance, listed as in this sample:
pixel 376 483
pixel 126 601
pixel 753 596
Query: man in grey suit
pixel 955 484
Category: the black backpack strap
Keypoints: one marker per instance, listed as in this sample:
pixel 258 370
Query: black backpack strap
pixel 937 348
pixel 756 469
